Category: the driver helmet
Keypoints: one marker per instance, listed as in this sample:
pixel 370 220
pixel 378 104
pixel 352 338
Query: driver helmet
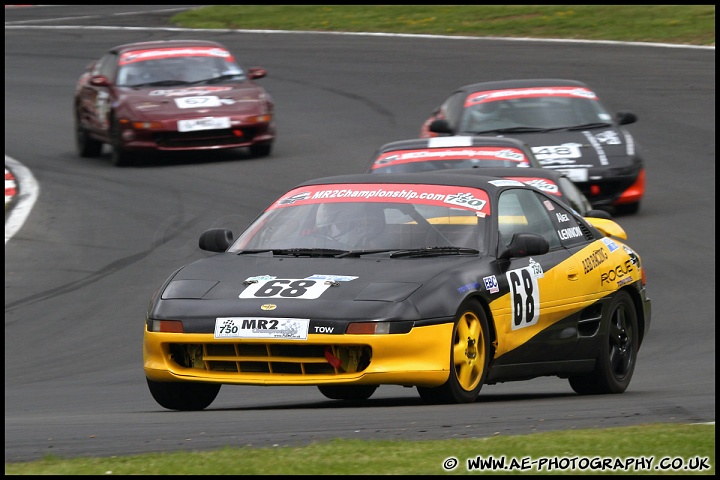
pixel 486 110
pixel 130 75
pixel 350 223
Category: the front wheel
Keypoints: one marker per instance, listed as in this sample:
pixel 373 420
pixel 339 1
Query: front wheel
pixel 118 155
pixel 616 363
pixel 469 358
pixel 347 392
pixel 184 396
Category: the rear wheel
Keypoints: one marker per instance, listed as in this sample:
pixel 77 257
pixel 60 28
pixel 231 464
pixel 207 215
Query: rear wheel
pixel 347 392
pixel 469 358
pixel 616 363
pixel 85 144
pixel 183 395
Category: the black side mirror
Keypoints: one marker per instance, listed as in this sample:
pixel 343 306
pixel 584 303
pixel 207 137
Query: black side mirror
pixel 440 125
pixel 215 240
pixel 625 118
pixel 525 244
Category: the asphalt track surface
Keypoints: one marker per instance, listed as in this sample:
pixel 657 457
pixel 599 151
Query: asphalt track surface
pixel 99 240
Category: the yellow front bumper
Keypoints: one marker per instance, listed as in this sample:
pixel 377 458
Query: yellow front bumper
pixel 420 357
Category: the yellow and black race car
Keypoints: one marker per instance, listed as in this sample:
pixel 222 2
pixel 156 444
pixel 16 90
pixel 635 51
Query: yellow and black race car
pixel 440 281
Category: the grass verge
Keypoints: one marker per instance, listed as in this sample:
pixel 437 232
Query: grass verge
pixel 646 449
pixel 679 24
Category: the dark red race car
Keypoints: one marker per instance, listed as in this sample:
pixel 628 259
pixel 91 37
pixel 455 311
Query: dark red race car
pixel 566 125
pixel 172 96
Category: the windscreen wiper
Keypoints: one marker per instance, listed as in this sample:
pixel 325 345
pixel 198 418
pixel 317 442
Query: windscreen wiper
pixel 590 126
pixel 434 251
pixel 161 83
pixel 511 130
pixel 360 253
pixel 221 78
pixel 298 252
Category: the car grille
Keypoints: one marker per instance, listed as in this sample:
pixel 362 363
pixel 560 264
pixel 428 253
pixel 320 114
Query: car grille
pixel 280 359
pixel 204 138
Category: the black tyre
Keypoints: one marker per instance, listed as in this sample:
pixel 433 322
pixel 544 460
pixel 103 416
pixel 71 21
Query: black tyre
pixel 615 365
pixel 469 358
pixel 347 392
pixel 118 155
pixel 87 146
pixel 183 396
pixel 261 150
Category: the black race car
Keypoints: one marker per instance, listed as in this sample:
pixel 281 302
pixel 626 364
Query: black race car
pixel 436 280
pixel 566 125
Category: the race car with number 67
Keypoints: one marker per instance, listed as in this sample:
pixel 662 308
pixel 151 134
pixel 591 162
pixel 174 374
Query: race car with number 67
pixel 171 96
pixel 438 281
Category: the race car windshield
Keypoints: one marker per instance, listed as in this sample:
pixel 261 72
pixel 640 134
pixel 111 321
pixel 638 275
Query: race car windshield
pixel 521 113
pixel 178 71
pixel 373 226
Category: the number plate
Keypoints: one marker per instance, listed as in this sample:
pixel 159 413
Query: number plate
pixel 249 327
pixel 207 123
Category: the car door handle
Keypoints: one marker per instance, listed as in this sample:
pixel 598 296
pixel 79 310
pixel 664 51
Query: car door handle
pixel 572 273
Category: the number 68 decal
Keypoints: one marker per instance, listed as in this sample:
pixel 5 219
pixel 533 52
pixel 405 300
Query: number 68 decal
pixel 286 288
pixel 524 297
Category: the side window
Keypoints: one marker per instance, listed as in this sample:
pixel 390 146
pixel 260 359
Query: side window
pixel 511 218
pixel 521 210
pixel 452 109
pixel 107 66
